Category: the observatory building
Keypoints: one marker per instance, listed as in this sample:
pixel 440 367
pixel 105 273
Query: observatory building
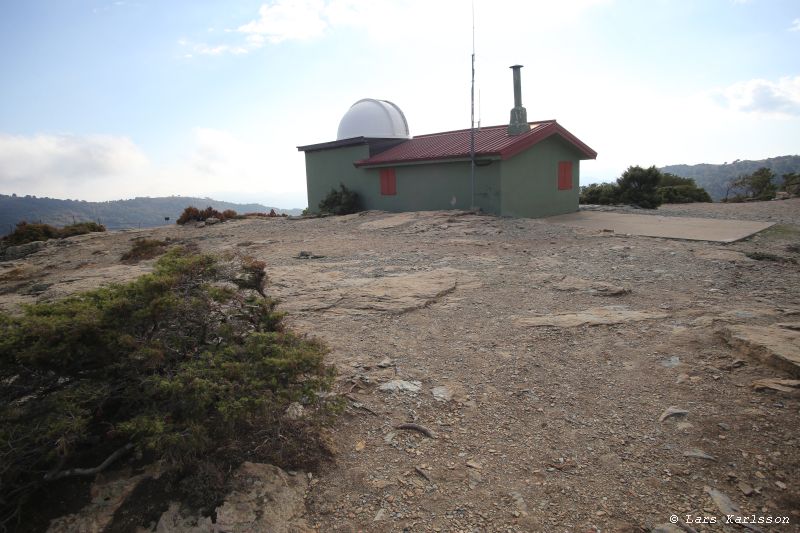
pixel 522 169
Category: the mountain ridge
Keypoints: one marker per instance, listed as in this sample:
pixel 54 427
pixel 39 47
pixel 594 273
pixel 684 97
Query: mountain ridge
pixel 139 212
pixel 714 178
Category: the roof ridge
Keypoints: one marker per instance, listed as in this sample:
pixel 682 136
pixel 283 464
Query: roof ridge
pixel 531 123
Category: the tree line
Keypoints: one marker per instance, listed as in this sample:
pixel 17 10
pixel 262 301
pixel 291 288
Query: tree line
pixel 650 187
pixel 646 188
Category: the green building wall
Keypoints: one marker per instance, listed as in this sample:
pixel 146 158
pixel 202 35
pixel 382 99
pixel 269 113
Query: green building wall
pixel 326 169
pixel 529 181
pixel 525 185
pixel 433 186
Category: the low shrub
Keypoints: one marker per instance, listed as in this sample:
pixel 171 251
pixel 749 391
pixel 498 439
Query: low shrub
pixel 25 232
pixel 341 202
pixel 193 214
pixel 599 193
pixel 186 365
pixel 683 194
pixel 145 249
pixel 80 228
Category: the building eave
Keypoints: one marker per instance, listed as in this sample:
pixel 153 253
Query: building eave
pixel 353 141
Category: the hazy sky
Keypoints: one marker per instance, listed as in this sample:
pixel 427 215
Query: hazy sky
pixel 103 100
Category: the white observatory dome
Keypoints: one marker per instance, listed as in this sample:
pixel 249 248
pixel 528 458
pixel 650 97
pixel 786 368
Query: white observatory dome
pixel 373 118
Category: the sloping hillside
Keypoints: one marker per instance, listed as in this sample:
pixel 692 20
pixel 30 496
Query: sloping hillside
pixel 714 178
pixel 499 374
pixel 118 214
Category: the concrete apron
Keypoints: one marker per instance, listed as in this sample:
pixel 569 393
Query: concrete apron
pixel 689 228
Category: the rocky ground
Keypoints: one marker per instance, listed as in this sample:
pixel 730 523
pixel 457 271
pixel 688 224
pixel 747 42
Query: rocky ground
pixel 568 380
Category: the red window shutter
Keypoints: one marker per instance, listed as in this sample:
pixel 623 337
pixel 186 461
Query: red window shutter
pixel 564 175
pixel 388 182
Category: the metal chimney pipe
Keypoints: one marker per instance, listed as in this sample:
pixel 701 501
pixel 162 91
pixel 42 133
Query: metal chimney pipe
pixel 519 116
pixel 517 86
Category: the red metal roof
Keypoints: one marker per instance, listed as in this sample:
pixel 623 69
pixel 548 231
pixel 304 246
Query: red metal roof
pixel 489 141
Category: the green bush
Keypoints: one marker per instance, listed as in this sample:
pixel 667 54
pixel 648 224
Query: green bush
pixel 791 183
pixel 599 193
pixel 683 194
pixel 760 185
pixel 25 233
pixel 638 186
pixel 647 188
pixel 341 202
pixel 189 363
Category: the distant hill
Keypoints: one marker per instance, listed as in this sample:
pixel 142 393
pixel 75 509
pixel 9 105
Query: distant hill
pixel 117 214
pixel 714 178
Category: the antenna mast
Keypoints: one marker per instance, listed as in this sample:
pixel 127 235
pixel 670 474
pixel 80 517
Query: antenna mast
pixel 472 113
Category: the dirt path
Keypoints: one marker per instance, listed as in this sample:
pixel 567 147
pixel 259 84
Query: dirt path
pixel 544 357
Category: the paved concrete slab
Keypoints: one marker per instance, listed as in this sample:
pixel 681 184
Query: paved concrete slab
pixel 695 229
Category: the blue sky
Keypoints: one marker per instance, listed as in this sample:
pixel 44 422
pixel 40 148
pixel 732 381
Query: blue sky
pixel 113 99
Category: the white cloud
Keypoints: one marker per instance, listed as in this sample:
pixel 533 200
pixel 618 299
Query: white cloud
pixel 764 97
pixel 795 25
pixel 33 161
pixel 288 20
pixel 396 21
pixel 217 164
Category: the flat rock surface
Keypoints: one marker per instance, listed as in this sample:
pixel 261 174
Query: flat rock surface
pixel 777 345
pixel 547 428
pixel 690 228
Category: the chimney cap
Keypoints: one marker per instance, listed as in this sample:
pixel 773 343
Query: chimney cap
pixel 515 66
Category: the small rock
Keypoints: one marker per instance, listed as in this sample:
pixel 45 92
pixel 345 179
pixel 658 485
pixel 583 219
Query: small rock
pixel 781 485
pixel 380 516
pixel 442 394
pixel 519 503
pixel 210 221
pixel 746 489
pixel 667 528
pixel 672 362
pixel 474 464
pixel 360 445
pixel 724 426
pixel 175 520
pixel 399 385
pixel 475 478
pixel 385 363
pixel 304 254
pixel 672 411
pixel 723 503
pixel 699 454
pixel 295 411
